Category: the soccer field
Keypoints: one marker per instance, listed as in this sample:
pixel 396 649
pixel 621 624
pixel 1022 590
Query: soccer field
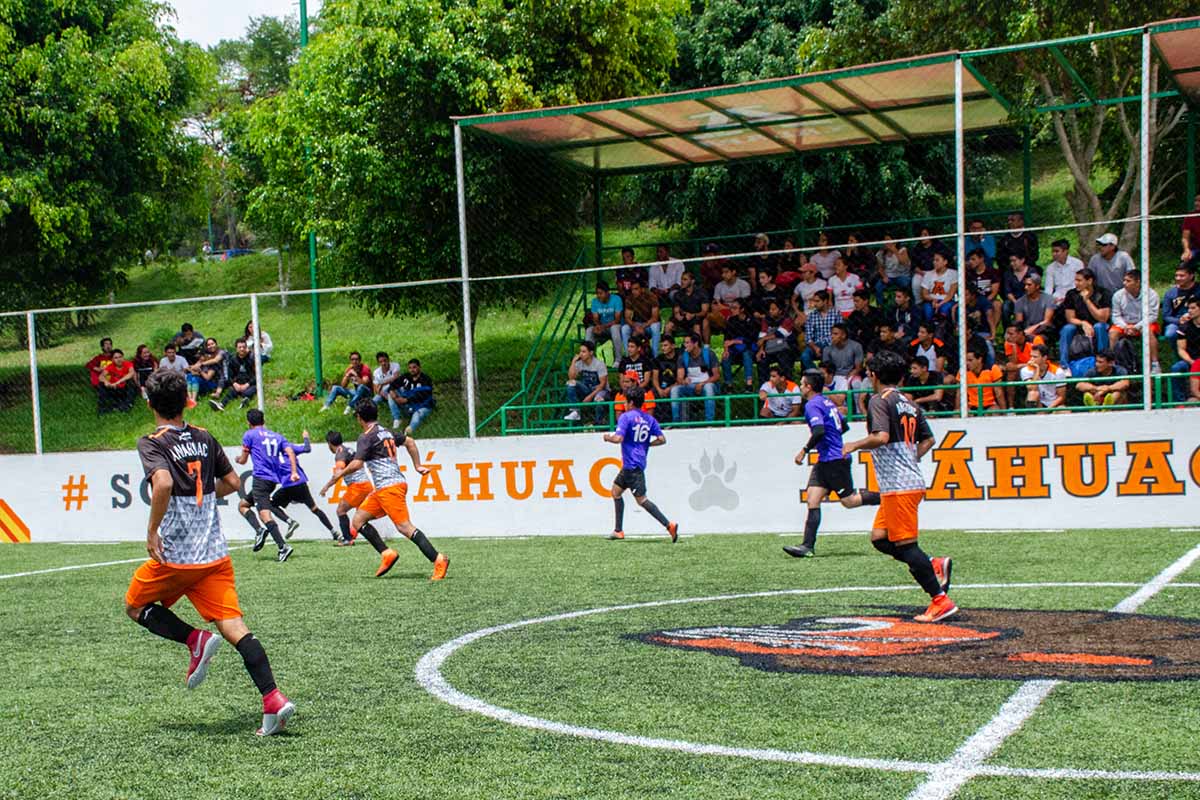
pixel 396 700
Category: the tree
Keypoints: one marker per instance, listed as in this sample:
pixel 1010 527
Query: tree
pixel 93 157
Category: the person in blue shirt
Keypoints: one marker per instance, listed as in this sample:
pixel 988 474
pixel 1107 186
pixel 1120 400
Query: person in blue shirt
pixel 832 472
pixel 636 432
pixel 607 314
pixel 293 488
pixel 266 447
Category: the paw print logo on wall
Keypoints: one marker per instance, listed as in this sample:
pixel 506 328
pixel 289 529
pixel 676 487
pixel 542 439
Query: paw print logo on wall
pixel 713 480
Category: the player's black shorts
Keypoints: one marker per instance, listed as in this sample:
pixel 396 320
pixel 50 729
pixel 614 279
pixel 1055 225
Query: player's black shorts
pixel 632 479
pixel 293 494
pixel 260 492
pixel 832 475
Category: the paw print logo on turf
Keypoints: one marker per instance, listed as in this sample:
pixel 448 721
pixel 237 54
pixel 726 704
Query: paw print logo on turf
pixel 712 479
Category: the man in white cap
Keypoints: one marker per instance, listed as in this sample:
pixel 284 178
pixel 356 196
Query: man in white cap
pixel 1110 264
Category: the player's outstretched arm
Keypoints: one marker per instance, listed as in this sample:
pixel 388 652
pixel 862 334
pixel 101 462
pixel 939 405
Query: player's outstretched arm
pixel 160 497
pixel 614 438
pixel 228 483
pixel 924 446
pixel 291 454
pixel 873 440
pixel 243 456
pixel 658 441
pixel 338 473
pixel 411 446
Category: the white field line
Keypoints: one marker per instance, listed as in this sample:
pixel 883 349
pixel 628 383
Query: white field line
pixel 949 776
pixel 73 567
pixel 428 675
pixel 1016 530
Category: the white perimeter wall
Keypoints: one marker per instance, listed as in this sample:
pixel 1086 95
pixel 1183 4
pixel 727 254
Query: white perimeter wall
pixel 1100 470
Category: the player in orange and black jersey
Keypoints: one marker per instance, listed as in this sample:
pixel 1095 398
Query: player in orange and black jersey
pixel 376 450
pixel 357 489
pixel 188 472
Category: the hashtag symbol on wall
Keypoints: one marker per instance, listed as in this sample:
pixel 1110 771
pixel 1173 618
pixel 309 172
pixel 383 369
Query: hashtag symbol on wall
pixel 75 492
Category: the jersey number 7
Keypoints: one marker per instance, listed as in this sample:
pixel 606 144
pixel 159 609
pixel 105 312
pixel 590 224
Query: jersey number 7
pixel 194 469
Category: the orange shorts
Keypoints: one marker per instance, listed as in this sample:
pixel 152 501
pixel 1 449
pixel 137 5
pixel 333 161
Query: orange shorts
pixel 353 494
pixel 210 588
pixel 897 515
pixel 390 500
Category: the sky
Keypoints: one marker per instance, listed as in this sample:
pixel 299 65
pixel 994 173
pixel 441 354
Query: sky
pixel 209 21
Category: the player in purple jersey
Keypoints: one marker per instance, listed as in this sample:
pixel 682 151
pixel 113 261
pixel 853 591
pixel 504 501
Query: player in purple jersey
pixel 297 491
pixel 832 470
pixel 266 447
pixel 636 432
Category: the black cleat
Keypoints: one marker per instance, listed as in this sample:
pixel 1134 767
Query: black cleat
pixel 260 538
pixel 799 551
pixel 284 553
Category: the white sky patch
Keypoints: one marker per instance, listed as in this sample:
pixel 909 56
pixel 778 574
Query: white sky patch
pixel 207 22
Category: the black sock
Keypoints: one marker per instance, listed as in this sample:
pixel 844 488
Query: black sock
pixel 619 513
pixel 869 498
pixel 884 546
pixel 422 543
pixel 653 511
pixel 920 567
pixel 810 527
pixel 277 511
pixel 371 535
pixel 161 621
pixel 344 524
pixel 319 514
pixel 252 518
pixel 273 529
pixel 257 664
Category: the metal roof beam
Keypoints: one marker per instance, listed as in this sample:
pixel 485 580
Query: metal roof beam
pixel 1109 101
pixel 862 106
pixel 642 118
pixel 850 120
pixel 1071 71
pixel 991 89
pixel 747 125
pixel 629 136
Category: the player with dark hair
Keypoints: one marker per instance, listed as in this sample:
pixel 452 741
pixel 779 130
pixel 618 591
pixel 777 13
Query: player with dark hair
pixel 295 489
pixel 188 472
pixel 376 450
pixel 636 432
pixel 357 488
pixel 898 436
pixel 267 448
pixel 832 470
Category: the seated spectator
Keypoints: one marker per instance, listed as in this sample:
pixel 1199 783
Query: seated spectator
pixel 1018 350
pixel 980 378
pixel 1060 272
pixel 1041 368
pixel 665 275
pixel 698 374
pixel 629 380
pixel 741 341
pixel 1126 320
pixel 665 365
pixel 97 363
pixel 605 318
pixel 809 284
pixel 818 328
pixel 1104 392
pixel 887 339
pixel 781 398
pixel 1088 308
pixel 985 243
pixel 893 268
pixel 640 362
pixel 689 314
pixel 386 379
pixel 265 346
pixel 1187 346
pixel 144 364
pixel 842 285
pixel 710 267
pixel 825 258
pixel 766 291
pixel 587 383
pixel 730 287
pixel 1191 233
pixel 920 386
pixel 839 397
pixel 1033 311
pixel 641 316
pixel 208 373
pixel 413 394
pixel 792 259
pixel 627 274
pixel 846 356
pixel 903 315
pixel 924 250
pixel 939 287
pixel 864 321
pixel 355 385
pixel 243 378
pixel 1110 263
pixel 1017 242
pixel 927 344
pixel 118 384
pixel 861 260
pixel 987 282
pixel 189 343
pixel 977 311
pixel 1012 286
pixel 171 359
pixel 1175 301
pixel 775 342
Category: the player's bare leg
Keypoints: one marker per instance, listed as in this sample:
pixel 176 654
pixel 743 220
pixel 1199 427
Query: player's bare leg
pixel 920 566
pixel 652 510
pixel 161 621
pixel 271 528
pixel 362 525
pixel 277 709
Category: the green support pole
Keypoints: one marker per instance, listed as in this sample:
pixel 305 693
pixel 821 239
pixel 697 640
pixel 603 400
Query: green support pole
pixel 1027 175
pixel 598 217
pixel 1191 159
pixel 312 243
pixel 212 244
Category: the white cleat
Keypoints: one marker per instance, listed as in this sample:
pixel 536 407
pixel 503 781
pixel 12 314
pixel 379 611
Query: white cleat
pixel 274 723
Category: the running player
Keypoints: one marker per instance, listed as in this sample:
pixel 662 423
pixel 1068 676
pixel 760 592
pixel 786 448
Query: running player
pixel 266 447
pixel 832 470
pixel 376 449
pixel 356 489
pixel 188 472
pixel 636 432
pixel 296 491
pixel 899 437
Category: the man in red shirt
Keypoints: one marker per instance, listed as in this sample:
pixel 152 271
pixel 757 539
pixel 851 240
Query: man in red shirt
pixel 1191 232
pixel 118 384
pixel 100 361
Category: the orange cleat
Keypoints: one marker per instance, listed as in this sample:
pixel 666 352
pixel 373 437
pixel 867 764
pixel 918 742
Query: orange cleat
pixel 941 569
pixel 440 565
pixel 617 535
pixel 388 560
pixel 673 532
pixel 941 607
pixel 191 403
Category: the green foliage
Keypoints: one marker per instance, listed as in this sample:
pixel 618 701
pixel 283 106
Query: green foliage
pixel 93 159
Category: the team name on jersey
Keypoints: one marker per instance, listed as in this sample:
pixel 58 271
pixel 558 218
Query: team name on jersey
pixel 188 450
pixel 904 406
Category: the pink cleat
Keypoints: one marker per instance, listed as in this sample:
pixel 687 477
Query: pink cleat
pixel 277 710
pixel 202 645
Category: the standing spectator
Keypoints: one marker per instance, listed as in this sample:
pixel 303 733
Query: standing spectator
pixel 776 341
pixel 627 274
pixel 921 386
pixel 761 261
pixel 710 268
pixel 861 261
pixel 818 327
pixel 118 384
pixel 355 384
pixel 97 363
pixel 791 260
pixel 265 346
pixel 642 317
pixel 864 321
pixel 1041 368
pixel 809 284
pixel 846 356
pixel 893 268
pixel 413 394
pixel 825 258
pixel 1060 272
pixel 842 285
pixel 1034 311
pixel 587 382
pixel 939 287
pixel 781 398
pixel 1191 233
pixel 1017 242
pixel 1110 264
pixel 1013 284
pixel 605 318
pixel 665 275
pixel 730 287
pixel 689 314
pixel 698 374
pixel 1126 320
pixel 1088 308
pixel 741 339
pixel 386 378
pixel 189 342
pixel 924 250
pixel 1175 302
pixel 1187 346
pixel 927 344
pixel 985 243
pixel 243 378
pixel 987 282
pixel 1104 392
pixel 904 316
pixel 665 365
pixel 980 380
pixel 171 359
pixel 144 364
pixel 641 363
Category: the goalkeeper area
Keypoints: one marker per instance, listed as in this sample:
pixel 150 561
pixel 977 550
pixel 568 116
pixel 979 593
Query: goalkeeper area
pixel 571 666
